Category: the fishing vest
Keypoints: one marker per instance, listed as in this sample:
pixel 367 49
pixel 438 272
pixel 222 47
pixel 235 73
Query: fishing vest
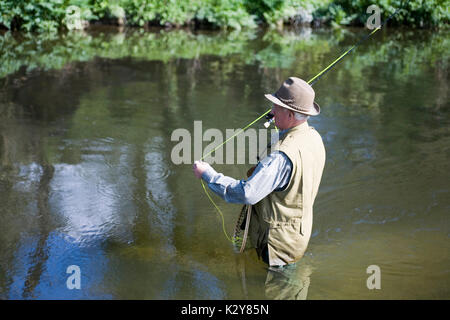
pixel 283 219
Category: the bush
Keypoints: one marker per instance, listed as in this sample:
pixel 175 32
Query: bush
pixel 52 15
pixel 417 13
pixel 37 15
pixel 224 14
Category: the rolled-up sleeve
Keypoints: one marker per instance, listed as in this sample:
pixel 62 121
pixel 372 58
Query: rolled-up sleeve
pixel 272 173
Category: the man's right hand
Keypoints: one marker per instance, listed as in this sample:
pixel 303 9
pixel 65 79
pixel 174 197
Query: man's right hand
pixel 199 167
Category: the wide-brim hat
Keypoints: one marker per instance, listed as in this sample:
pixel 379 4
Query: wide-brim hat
pixel 297 95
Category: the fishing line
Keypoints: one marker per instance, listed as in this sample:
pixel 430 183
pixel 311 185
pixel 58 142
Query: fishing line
pixel 311 82
pixel 237 133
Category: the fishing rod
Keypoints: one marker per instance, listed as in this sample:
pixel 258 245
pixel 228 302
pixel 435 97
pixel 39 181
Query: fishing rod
pixel 270 118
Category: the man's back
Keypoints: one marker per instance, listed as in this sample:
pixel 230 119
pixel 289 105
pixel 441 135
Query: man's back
pixel 284 218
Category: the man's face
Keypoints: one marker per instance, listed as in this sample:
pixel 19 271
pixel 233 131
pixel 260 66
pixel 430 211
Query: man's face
pixel 282 119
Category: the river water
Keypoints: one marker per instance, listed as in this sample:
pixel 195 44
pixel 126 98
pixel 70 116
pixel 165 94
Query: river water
pixel 87 177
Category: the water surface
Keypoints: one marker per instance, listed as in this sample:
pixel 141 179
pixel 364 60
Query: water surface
pixel 86 176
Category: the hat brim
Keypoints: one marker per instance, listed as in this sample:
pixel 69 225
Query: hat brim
pixel 313 112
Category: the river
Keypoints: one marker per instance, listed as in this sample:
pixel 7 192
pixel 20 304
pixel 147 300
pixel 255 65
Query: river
pixel 87 178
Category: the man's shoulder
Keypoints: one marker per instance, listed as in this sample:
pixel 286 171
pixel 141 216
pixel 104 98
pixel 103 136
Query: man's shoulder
pixel 306 140
pixel 296 138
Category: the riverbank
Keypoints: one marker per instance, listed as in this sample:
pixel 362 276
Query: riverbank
pixel 56 15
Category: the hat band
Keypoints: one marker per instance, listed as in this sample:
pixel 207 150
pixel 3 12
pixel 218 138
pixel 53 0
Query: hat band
pixel 290 103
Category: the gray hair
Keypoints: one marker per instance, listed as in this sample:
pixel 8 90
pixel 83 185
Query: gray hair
pixel 300 116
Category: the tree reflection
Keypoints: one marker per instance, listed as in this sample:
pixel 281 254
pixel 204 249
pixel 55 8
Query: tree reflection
pixel 40 255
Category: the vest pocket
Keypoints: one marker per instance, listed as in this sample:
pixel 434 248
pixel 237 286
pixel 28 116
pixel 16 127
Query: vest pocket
pixel 293 222
pixel 286 231
pixel 294 202
pixel 285 240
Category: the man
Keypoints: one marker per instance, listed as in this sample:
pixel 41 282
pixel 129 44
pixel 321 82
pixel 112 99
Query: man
pixel 283 186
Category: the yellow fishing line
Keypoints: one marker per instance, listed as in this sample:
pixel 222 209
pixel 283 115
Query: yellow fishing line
pixel 218 210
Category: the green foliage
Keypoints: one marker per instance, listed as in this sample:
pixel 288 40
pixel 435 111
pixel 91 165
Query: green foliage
pixel 276 12
pixel 42 15
pixel 226 13
pixel 52 15
pixel 418 13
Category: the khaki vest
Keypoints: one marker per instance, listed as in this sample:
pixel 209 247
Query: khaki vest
pixel 283 219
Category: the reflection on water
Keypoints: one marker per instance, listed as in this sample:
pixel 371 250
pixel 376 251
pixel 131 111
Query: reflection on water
pixel 288 283
pixel 86 177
